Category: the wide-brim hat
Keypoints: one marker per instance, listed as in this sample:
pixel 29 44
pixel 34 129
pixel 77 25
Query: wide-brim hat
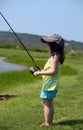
pixel 55 38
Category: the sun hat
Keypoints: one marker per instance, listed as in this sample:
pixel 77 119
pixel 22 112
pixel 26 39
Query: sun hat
pixel 55 38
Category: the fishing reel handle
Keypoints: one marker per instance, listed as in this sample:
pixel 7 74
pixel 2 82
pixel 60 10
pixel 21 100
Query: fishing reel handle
pixel 32 70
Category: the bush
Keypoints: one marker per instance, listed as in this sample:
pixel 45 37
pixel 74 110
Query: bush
pixel 7 45
pixel 72 53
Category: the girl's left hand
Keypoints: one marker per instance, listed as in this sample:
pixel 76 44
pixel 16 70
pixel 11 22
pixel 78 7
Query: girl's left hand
pixel 36 73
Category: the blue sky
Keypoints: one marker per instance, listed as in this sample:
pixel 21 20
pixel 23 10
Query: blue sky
pixel 44 17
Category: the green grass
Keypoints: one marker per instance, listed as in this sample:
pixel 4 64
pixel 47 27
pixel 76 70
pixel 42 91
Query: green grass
pixel 25 112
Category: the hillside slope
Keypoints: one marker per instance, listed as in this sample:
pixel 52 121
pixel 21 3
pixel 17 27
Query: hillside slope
pixel 33 41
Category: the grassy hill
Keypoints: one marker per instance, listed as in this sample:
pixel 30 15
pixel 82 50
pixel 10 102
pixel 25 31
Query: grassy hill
pixel 32 41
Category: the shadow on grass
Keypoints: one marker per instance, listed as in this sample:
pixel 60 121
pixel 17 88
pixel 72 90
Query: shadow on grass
pixel 6 97
pixel 4 128
pixel 70 122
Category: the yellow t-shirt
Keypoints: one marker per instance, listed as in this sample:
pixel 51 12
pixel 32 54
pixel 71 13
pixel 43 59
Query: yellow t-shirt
pixel 51 83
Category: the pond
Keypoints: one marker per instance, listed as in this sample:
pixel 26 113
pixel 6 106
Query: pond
pixel 6 66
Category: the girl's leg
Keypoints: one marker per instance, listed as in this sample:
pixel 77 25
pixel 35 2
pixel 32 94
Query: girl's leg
pixel 48 112
pixel 52 113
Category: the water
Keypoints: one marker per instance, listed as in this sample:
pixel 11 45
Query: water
pixel 6 66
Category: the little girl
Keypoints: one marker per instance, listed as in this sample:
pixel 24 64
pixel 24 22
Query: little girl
pixel 51 75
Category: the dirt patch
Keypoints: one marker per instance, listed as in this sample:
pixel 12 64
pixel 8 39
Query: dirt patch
pixel 6 97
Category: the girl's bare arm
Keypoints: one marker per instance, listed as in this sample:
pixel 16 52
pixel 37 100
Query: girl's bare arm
pixel 52 70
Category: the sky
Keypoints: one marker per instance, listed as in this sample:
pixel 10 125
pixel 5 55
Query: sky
pixel 44 17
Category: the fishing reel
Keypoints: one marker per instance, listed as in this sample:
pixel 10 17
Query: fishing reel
pixel 32 70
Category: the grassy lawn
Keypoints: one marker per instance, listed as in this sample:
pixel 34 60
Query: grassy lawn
pixel 24 112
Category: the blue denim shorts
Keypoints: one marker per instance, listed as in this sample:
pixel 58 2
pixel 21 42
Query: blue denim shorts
pixel 48 94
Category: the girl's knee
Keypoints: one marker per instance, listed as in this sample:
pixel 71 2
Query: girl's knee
pixel 47 102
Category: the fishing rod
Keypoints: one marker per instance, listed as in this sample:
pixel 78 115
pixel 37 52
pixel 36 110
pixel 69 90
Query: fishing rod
pixel 32 70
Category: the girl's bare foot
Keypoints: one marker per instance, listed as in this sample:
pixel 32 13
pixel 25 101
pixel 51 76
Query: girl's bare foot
pixel 46 124
pixel 51 123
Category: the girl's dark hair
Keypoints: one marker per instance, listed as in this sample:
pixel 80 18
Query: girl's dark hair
pixel 57 49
